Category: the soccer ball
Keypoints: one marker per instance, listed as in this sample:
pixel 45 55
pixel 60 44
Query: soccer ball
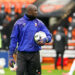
pixel 39 36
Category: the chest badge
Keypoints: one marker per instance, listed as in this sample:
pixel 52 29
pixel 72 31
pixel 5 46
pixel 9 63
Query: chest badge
pixel 24 24
pixel 35 24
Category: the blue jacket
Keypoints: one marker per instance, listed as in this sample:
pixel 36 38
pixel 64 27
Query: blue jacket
pixel 23 32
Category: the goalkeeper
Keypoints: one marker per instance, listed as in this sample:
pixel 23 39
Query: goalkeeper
pixel 28 58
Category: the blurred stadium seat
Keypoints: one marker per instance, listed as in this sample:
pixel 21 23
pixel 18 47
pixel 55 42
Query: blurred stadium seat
pixel 17 4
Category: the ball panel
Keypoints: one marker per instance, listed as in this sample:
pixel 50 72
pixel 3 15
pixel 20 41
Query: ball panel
pixel 39 35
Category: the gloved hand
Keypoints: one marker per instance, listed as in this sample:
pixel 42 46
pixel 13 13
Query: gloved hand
pixel 42 42
pixel 11 62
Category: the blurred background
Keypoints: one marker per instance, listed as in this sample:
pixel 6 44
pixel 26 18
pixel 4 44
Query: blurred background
pixel 53 13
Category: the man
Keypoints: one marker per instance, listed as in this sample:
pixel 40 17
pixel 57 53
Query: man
pixel 60 42
pixel 28 58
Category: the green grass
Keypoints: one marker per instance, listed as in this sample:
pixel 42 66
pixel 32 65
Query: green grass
pixel 54 72
pixel 44 72
pixel 8 72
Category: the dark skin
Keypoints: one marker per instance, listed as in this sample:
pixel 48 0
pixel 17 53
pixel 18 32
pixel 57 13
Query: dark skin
pixel 33 11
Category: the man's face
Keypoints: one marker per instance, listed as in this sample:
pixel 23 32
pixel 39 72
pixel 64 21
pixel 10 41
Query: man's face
pixel 34 11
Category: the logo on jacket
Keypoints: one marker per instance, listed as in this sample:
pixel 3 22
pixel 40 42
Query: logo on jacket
pixel 58 37
pixel 35 24
pixel 24 24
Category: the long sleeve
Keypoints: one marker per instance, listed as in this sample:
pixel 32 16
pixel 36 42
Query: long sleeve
pixel 14 39
pixel 44 29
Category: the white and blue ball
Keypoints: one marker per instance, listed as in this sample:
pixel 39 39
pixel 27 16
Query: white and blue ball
pixel 39 36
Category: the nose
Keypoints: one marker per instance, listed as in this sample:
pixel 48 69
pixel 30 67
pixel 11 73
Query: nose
pixel 36 12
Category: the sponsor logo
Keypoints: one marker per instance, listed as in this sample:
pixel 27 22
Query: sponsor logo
pixel 24 24
pixel 35 24
pixel 49 6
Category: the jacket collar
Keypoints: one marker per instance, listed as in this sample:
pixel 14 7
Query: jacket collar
pixel 26 17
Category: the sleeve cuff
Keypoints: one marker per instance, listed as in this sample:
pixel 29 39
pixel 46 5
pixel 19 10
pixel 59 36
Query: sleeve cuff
pixel 45 40
pixel 11 54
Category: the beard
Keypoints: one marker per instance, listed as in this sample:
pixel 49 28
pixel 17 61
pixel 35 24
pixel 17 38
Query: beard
pixel 31 17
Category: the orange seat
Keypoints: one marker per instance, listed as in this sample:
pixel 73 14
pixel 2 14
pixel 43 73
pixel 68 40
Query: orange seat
pixel 18 8
pixel 6 0
pixel 7 7
pixel 54 32
pixel 12 1
pixel 17 3
pixel 66 31
pixel 70 19
pixel 1 1
pixel 0 6
pixel 73 33
pixel 30 1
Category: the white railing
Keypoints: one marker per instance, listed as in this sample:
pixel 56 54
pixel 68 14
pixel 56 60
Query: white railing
pixel 52 53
